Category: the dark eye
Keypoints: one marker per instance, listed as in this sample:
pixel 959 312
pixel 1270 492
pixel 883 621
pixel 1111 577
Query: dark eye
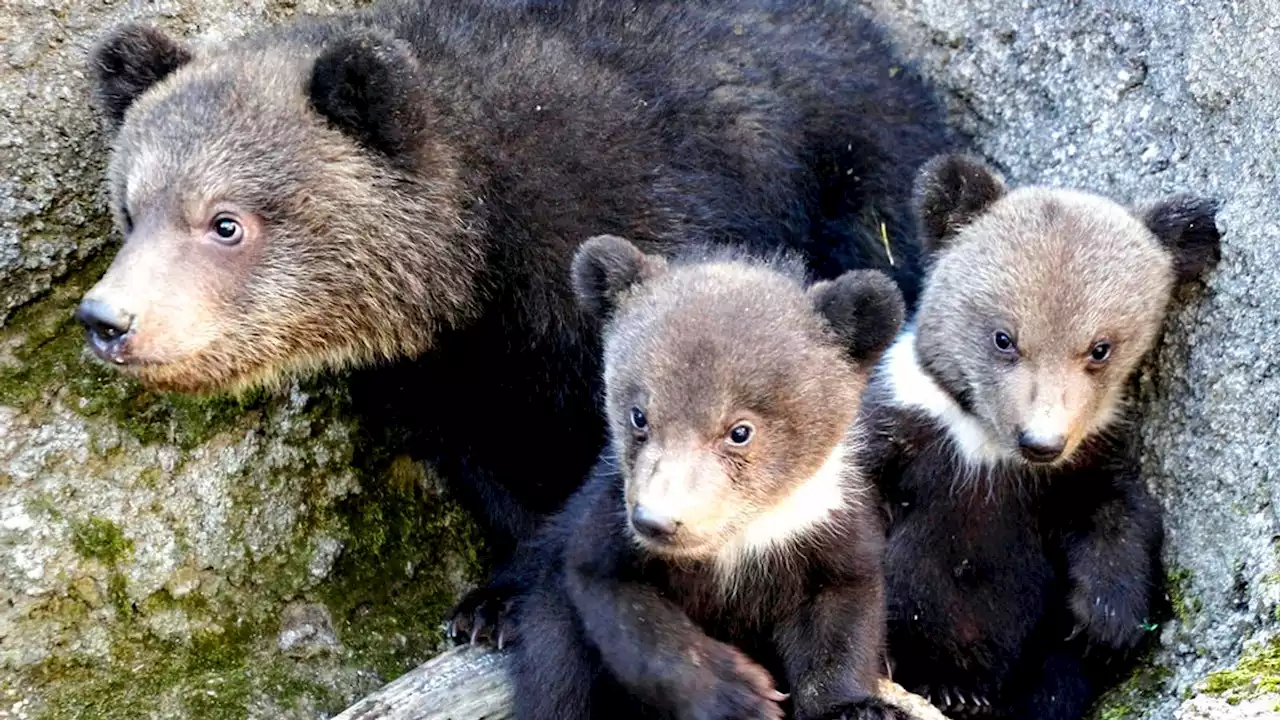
pixel 127 220
pixel 1003 342
pixel 638 420
pixel 741 434
pixel 1100 353
pixel 227 230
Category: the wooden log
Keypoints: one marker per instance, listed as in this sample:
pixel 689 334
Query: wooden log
pixel 466 683
pixel 470 683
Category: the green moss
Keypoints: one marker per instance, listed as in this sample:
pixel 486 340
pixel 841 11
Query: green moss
pixel 118 594
pixel 1257 673
pixel 1130 699
pixel 387 595
pixel 46 357
pixel 217 676
pixel 1184 603
pixel 101 540
pixel 408 545
pixel 1117 712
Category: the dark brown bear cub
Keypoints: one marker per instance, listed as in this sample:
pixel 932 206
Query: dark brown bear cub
pixel 727 547
pixel 402 189
pixel 1022 562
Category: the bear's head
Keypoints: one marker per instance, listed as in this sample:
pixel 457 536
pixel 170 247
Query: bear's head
pixel 730 389
pixel 1039 303
pixel 284 206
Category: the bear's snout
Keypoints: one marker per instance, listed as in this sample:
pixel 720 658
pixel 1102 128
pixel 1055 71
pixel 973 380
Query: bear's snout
pixel 653 526
pixel 108 328
pixel 1041 447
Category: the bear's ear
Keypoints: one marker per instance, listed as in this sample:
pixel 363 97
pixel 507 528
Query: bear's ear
pixel 605 267
pixel 865 310
pixel 369 86
pixel 950 191
pixel 127 62
pixel 1187 227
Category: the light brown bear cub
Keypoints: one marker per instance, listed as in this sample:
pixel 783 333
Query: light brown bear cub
pixel 727 545
pixel 1022 563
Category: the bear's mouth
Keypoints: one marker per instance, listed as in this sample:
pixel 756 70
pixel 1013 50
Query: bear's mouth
pixel 153 373
pixel 112 348
pixel 677 548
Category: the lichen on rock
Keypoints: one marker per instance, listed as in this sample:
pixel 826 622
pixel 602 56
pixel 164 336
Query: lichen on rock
pixel 177 535
pixel 1255 675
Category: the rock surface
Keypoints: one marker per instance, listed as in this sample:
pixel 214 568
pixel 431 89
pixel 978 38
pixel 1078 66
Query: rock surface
pixel 163 556
pixel 1136 99
pixel 1212 708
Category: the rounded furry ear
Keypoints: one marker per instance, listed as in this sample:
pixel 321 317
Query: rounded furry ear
pixel 605 267
pixel 950 191
pixel 865 310
pixel 368 85
pixel 126 63
pixel 1187 226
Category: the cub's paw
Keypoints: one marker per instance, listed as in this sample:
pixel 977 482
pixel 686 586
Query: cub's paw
pixel 1107 619
pixel 870 709
pixel 731 686
pixel 957 703
pixel 483 617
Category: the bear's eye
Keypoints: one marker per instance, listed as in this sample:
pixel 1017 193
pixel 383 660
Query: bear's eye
pixel 638 419
pixel 1003 342
pixel 227 230
pixel 127 220
pixel 741 433
pixel 1100 352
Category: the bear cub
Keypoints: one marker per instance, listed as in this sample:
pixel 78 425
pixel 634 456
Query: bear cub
pixel 1022 560
pixel 726 548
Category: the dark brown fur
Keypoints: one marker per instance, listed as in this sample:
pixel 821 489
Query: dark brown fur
pixel 1006 563
pixel 770 574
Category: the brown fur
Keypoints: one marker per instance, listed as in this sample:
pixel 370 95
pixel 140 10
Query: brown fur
pixel 770 572
pixel 392 266
pixel 1022 575
pixel 1059 271
pixel 658 358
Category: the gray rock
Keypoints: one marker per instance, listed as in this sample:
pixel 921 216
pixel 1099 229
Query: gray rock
pixel 1266 707
pixel 1136 99
pixel 307 630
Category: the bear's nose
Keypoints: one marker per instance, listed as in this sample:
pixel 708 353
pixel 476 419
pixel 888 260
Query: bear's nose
pixel 653 526
pixel 1041 448
pixel 107 327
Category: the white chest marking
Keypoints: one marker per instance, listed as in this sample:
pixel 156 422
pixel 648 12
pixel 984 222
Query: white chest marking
pixel 912 387
pixel 809 507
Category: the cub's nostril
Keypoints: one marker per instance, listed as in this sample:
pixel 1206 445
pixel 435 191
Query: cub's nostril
pixel 652 525
pixel 102 320
pixel 1041 448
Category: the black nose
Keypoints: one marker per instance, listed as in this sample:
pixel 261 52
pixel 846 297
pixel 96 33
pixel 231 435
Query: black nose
pixel 106 325
pixel 1040 448
pixel 652 525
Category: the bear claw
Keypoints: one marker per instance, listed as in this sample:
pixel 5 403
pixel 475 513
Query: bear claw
pixel 483 616
pixel 955 702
